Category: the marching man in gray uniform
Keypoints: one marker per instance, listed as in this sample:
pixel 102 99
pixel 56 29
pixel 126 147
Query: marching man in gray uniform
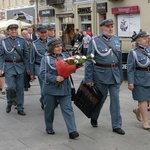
pixel 14 60
pixel 106 72
pixel 38 49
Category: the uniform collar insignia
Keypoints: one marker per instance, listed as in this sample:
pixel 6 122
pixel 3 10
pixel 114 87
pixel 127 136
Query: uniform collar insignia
pixel 106 37
pixel 142 48
pixel 12 38
pixel 43 41
pixel 56 55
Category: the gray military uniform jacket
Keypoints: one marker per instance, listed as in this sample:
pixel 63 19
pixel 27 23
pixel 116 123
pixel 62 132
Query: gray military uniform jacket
pixel 8 53
pixel 104 55
pixel 48 74
pixel 138 59
pixel 38 49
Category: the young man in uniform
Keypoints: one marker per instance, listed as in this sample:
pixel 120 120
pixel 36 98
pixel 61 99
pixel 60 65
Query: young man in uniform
pixel 14 61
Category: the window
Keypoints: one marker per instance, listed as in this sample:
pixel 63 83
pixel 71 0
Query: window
pixel 85 18
pixel 127 23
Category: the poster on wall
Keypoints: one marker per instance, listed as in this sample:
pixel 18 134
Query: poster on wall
pixel 127 23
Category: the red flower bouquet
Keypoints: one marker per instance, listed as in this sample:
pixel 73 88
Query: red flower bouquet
pixel 63 68
pixel 67 66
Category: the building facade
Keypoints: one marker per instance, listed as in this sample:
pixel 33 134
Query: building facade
pixel 38 9
pixel 79 14
pixel 128 15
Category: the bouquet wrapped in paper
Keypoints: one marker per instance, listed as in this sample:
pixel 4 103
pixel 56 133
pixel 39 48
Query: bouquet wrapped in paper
pixel 67 66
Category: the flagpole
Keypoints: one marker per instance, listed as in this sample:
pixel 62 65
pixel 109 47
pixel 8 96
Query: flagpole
pixel 37 13
pixel 37 21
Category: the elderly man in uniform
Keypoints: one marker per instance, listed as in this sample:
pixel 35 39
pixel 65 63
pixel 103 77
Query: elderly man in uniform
pixel 13 62
pixel 38 49
pixel 106 73
pixel 50 32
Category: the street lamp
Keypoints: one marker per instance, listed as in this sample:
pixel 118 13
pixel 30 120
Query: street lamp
pixel 36 4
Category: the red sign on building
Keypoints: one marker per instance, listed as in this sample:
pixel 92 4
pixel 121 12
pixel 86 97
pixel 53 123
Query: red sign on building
pixel 125 10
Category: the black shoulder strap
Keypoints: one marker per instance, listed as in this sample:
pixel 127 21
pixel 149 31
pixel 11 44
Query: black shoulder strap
pixel 16 49
pixel 71 81
pixel 110 47
pixel 143 51
pixel 43 45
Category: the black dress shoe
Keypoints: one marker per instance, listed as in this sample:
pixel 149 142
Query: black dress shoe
pixel 94 123
pixel 42 106
pixel 8 109
pixel 50 131
pixel 25 89
pixel 73 135
pixel 119 131
pixel 22 113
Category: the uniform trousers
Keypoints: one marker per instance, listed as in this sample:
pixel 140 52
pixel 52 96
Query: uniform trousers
pixel 50 102
pixel 15 82
pixel 26 80
pixel 113 89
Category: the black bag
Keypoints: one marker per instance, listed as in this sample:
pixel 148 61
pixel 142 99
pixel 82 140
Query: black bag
pixel 73 90
pixel 87 98
pixel 73 93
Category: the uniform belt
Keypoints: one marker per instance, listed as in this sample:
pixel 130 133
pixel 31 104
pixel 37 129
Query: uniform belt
pixel 143 69
pixel 14 61
pixel 107 65
pixel 37 63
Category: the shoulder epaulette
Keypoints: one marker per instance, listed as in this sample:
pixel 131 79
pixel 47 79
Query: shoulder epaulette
pixel 35 41
pixel 135 48
pixel 46 54
pixel 95 36
pixel 115 35
pixel 5 38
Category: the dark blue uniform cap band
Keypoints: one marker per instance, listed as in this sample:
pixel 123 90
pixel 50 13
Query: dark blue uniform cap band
pixel 106 22
pixel 41 28
pixel 50 27
pixel 140 34
pixel 51 42
pixel 12 26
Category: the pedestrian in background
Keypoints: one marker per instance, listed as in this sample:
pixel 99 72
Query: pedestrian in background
pixel 24 34
pixel 38 49
pixel 89 32
pixel 14 60
pixel 32 36
pixel 106 73
pixel 54 93
pixel 138 75
pixel 76 37
pixel 85 41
